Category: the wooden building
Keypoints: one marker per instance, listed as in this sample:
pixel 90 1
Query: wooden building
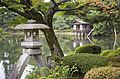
pixel 81 28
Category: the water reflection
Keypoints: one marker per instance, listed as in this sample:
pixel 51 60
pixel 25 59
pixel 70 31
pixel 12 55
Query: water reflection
pixel 106 43
pixel 81 41
pixel 10 49
pixel 2 69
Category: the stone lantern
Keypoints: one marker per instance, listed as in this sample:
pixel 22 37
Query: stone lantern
pixel 31 47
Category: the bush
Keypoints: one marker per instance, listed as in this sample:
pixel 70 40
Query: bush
pixel 60 72
pixel 103 73
pixel 85 61
pixel 111 53
pixel 38 72
pixel 89 48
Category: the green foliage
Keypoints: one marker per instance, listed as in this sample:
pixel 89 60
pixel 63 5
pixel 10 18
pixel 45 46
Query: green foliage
pixel 1 31
pixel 105 42
pixel 111 53
pixel 103 73
pixel 16 6
pixel 102 21
pixel 89 48
pixel 99 20
pixel 16 20
pixel 85 61
pixel 59 23
pixel 92 16
pixel 101 28
pixel 40 5
pixel 38 72
pixel 59 72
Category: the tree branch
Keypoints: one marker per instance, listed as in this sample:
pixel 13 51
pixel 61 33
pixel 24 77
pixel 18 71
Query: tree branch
pixel 32 12
pixel 37 16
pixel 54 3
pixel 59 3
pixel 41 11
pixel 67 9
pixel 15 10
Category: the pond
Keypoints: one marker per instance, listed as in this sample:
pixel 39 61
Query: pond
pixel 10 49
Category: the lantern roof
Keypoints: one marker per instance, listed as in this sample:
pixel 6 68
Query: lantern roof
pixel 31 24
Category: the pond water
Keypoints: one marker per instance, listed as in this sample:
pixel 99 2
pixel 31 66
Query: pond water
pixel 10 49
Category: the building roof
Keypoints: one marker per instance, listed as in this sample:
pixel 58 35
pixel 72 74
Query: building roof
pixel 76 22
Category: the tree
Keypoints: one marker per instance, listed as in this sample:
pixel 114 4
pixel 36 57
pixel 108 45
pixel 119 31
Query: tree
pixel 42 12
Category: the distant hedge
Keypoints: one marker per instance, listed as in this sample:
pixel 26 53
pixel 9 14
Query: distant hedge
pixel 103 73
pixel 85 61
pixel 89 48
pixel 106 53
pixel 111 53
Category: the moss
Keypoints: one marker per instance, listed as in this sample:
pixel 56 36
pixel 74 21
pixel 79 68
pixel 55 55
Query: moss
pixel 85 61
pixel 103 73
pixel 89 48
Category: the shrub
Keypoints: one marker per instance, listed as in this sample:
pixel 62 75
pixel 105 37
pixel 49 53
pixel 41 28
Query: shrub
pixel 84 61
pixel 103 73
pixel 38 72
pixel 111 53
pixel 89 48
pixel 60 72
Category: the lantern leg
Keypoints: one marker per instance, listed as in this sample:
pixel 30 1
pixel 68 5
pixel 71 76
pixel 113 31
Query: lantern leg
pixel 20 66
pixel 40 60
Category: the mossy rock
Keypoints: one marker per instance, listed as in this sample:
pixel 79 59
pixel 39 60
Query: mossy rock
pixel 115 59
pixel 103 73
pixel 85 61
pixel 89 48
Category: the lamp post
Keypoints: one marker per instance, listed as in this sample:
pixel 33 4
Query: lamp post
pixel 31 47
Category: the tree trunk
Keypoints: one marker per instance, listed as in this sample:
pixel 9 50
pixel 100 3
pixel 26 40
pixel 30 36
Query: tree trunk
pixel 90 32
pixel 53 43
pixel 115 40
